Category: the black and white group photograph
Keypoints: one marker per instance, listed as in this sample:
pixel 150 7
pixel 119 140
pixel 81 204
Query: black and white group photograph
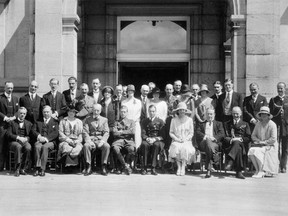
pixel 143 107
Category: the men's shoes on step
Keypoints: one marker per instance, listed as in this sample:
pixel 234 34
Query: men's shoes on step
pixel 239 175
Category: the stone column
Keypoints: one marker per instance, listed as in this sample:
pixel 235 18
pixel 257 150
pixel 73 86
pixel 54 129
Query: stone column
pixel 55 42
pixel 238 60
pixel 262 48
pixel 70 20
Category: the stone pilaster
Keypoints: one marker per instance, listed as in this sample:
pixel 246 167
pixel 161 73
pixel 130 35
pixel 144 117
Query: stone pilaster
pixel 238 60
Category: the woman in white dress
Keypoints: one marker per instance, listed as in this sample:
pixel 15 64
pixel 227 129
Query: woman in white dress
pixel 264 150
pixel 181 131
pixel 161 106
pixel 202 104
pixel 134 112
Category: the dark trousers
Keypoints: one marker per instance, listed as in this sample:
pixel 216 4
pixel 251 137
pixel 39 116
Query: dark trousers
pixel 155 149
pixel 128 146
pixel 18 148
pixel 3 146
pixel 236 154
pixel 41 154
pixel 89 148
pixel 210 148
pixel 283 160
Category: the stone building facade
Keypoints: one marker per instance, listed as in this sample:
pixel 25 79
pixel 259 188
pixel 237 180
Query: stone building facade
pixel 239 39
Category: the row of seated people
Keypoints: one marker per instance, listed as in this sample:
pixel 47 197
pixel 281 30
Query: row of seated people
pixel 94 134
pixel 137 109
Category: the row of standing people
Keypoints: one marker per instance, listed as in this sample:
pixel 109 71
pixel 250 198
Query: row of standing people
pixel 223 103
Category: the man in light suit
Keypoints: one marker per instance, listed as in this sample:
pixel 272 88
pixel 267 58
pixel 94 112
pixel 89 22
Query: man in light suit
pixel 32 102
pixel 46 132
pixel 95 135
pixel 123 132
pixel 55 100
pixel 84 102
pixel 72 93
pixel 209 136
pixel 19 135
pixel 252 105
pixel 227 101
pixel 96 92
pixel 8 108
pixel 236 142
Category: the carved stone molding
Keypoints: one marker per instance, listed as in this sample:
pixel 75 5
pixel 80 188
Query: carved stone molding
pixel 70 23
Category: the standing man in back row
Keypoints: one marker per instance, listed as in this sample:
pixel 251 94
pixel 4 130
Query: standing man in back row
pixel 96 92
pixel 72 93
pixel 8 108
pixel 227 101
pixel 279 109
pixel 55 100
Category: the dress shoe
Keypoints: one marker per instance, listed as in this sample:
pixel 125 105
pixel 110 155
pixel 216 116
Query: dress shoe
pixel 259 175
pixel 84 171
pixel 229 165
pixel 42 173
pixel 255 174
pixel 153 172
pixel 127 170
pixel 240 175
pixel 143 172
pixel 208 174
pixel 17 173
pixel 283 170
pixel 36 173
pixel 23 172
pixel 88 171
pixel 104 171
pixel 118 172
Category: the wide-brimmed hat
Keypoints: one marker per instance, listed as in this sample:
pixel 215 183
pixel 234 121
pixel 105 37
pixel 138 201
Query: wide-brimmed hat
pixel 180 106
pixel 107 89
pixel 130 88
pixel 264 110
pixel 72 108
pixel 203 87
pixel 185 90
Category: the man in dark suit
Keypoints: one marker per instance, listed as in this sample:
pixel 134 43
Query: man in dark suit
pixel 55 100
pixel 96 92
pixel 46 132
pixel 144 99
pixel 227 101
pixel 8 108
pixel 236 142
pixel 95 135
pixel 218 91
pixel 209 135
pixel 252 105
pixel 117 99
pixel 72 93
pixel 152 139
pixel 32 102
pixel 19 134
pixel 124 132
pixel 279 109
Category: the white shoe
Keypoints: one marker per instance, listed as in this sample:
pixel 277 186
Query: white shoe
pixel 178 173
pixel 255 174
pixel 260 175
pixel 183 169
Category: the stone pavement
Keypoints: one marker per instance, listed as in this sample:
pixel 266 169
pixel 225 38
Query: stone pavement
pixel 166 194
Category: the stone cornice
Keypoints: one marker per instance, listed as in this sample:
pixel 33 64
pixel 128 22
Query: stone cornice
pixel 70 22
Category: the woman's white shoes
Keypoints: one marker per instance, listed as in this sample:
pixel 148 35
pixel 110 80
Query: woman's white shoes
pixel 259 175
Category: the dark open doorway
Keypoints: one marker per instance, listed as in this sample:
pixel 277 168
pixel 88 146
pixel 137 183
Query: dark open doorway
pixel 139 73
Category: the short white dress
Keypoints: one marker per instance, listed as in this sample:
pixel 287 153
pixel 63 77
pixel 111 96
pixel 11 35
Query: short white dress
pixel 182 129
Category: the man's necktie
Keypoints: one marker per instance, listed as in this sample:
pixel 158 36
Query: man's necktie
pixel 228 98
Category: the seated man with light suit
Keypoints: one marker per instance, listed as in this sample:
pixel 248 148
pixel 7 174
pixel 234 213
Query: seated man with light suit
pixel 209 136
pixel 19 134
pixel 95 135
pixel 236 142
pixel 124 132
pixel 152 139
pixel 46 131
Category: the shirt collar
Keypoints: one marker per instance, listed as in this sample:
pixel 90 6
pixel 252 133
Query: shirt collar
pixel 20 120
pixel 47 120
pixel 96 91
pixel 8 96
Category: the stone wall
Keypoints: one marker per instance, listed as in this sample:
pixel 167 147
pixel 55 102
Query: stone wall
pixel 208 27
